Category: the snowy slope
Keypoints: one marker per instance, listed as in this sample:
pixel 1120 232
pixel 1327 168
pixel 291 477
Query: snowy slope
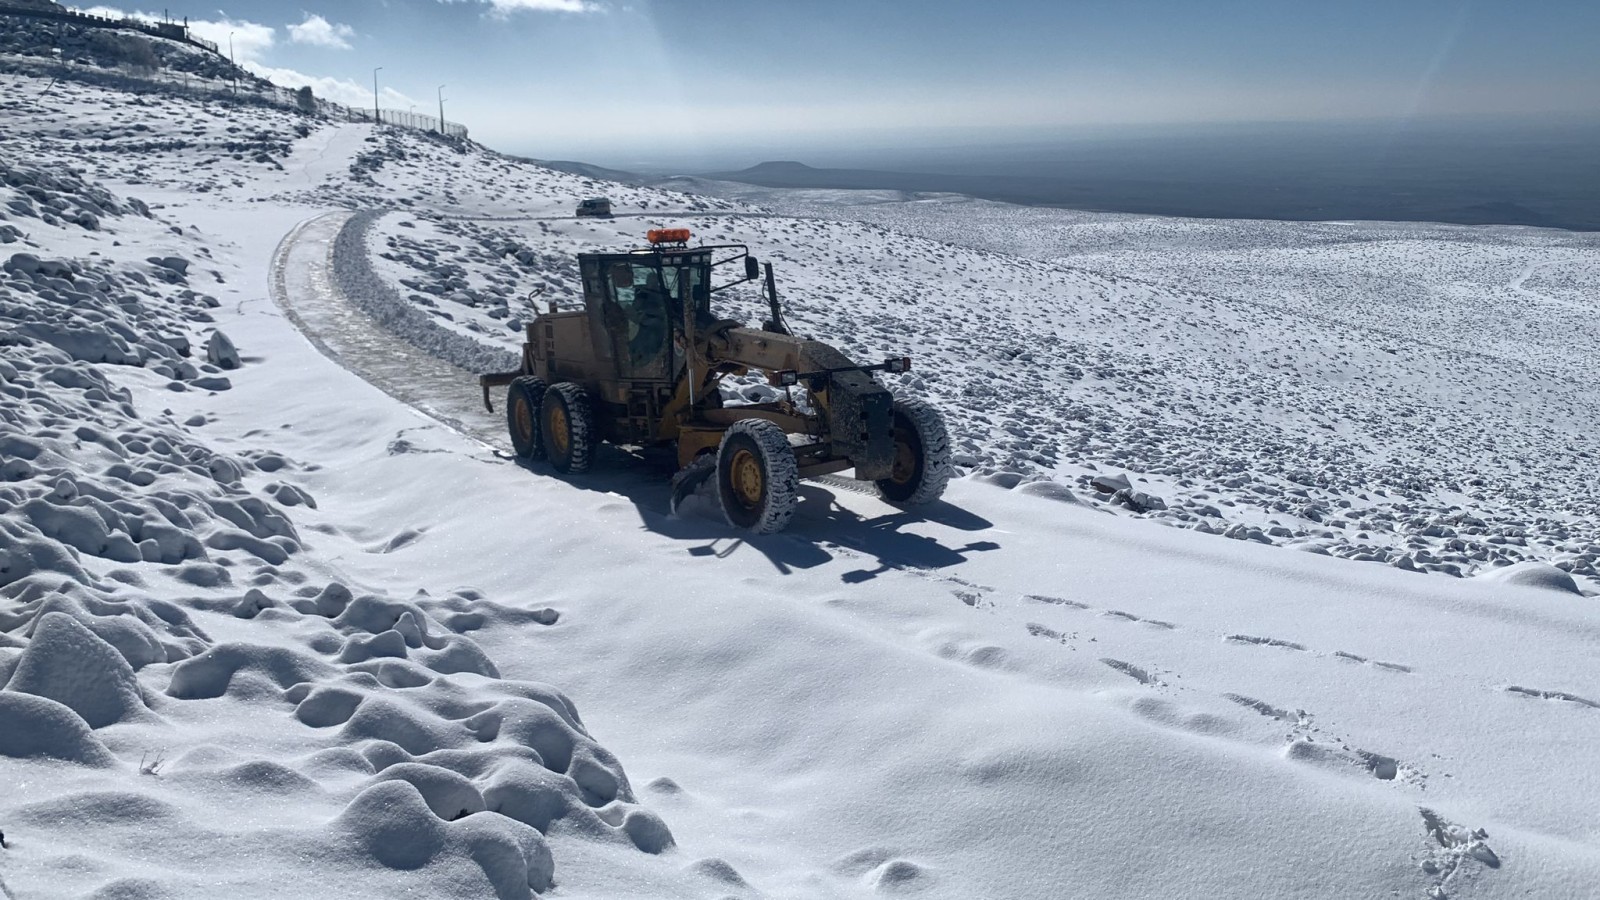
pixel 266 624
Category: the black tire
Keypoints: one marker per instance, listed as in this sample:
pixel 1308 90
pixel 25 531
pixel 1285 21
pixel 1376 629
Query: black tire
pixel 921 455
pixel 523 401
pixel 758 479
pixel 566 425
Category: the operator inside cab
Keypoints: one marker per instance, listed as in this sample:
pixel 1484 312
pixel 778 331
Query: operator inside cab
pixel 644 303
pixel 647 328
pixel 645 311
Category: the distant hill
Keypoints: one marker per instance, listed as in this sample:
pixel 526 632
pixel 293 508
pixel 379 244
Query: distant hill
pixel 790 174
pixel 1006 188
pixel 1458 194
pixel 598 173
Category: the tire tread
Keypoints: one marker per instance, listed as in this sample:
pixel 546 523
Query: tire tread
pixel 580 421
pixel 935 438
pixel 532 389
pixel 782 474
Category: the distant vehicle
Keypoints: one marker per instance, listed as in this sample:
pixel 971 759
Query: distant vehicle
pixel 595 206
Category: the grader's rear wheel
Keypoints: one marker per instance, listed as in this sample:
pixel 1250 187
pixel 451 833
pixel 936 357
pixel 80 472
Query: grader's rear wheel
pixel 523 400
pixel 567 427
pixel 921 455
pixel 757 476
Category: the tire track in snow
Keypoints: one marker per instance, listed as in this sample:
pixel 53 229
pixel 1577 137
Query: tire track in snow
pixel 348 336
pixel 1517 284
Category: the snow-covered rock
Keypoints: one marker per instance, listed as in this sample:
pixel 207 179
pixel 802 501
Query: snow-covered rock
pixel 220 351
pixel 1532 573
pixel 68 663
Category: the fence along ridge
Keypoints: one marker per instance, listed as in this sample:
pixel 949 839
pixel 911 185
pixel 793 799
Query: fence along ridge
pixel 405 119
pixel 172 31
pixel 284 95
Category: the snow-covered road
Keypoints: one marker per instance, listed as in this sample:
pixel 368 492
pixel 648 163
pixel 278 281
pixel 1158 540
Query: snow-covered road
pixel 304 286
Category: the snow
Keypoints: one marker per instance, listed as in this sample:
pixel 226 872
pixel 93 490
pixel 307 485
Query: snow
pixel 277 609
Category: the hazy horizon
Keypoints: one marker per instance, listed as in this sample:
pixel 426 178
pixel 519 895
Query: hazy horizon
pixel 625 79
pixel 1538 171
pixel 938 149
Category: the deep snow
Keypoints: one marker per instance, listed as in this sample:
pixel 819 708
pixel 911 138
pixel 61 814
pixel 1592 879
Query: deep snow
pixel 264 622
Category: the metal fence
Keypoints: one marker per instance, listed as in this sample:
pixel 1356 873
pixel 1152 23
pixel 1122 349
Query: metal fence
pixel 251 91
pixel 412 120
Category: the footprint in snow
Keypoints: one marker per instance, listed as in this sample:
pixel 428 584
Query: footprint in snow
pixel 1132 671
pixel 973 599
pixel 1048 633
pixel 1308 743
pixel 1171 715
pixel 1055 601
pixel 1552 695
pixel 1154 623
pixel 1447 847
pixel 1387 666
pixel 1339 756
pixel 1265 642
pixel 1264 708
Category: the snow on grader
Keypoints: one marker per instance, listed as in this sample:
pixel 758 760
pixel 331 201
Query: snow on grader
pixel 640 363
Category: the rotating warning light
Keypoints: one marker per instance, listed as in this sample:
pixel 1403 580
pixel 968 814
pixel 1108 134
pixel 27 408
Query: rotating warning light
pixel 668 236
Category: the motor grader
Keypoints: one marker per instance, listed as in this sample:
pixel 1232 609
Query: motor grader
pixel 641 363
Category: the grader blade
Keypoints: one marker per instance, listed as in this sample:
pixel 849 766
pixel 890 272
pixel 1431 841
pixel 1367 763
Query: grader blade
pixel 688 480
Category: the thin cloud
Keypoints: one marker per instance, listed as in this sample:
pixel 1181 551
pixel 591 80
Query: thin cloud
pixel 339 90
pixel 503 8
pixel 319 32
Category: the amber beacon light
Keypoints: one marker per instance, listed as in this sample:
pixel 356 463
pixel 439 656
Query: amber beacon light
pixel 668 236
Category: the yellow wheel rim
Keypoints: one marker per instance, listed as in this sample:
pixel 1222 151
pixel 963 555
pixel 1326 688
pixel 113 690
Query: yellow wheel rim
pixel 905 459
pixel 749 483
pixel 522 418
pixel 560 429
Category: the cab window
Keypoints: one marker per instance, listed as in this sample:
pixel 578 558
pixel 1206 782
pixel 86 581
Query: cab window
pixel 640 317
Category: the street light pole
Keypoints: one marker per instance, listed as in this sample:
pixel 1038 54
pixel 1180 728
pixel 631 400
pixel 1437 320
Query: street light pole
pixel 377 116
pixel 234 74
pixel 441 110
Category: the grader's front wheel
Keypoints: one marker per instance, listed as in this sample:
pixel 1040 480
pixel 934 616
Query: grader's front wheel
pixel 758 479
pixel 921 455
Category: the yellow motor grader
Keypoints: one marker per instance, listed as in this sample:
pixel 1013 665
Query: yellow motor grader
pixel 641 363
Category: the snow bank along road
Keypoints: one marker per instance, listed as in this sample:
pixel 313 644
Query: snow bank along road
pixel 316 635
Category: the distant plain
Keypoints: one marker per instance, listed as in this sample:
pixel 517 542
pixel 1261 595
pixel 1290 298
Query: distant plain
pixel 1536 171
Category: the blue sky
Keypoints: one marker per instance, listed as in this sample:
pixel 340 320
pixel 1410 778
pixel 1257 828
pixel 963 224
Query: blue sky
pixel 608 79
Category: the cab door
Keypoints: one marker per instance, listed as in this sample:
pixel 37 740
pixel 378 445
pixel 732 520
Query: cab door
pixel 639 320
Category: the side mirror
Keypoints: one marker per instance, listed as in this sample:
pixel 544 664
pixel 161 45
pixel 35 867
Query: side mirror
pixel 752 269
